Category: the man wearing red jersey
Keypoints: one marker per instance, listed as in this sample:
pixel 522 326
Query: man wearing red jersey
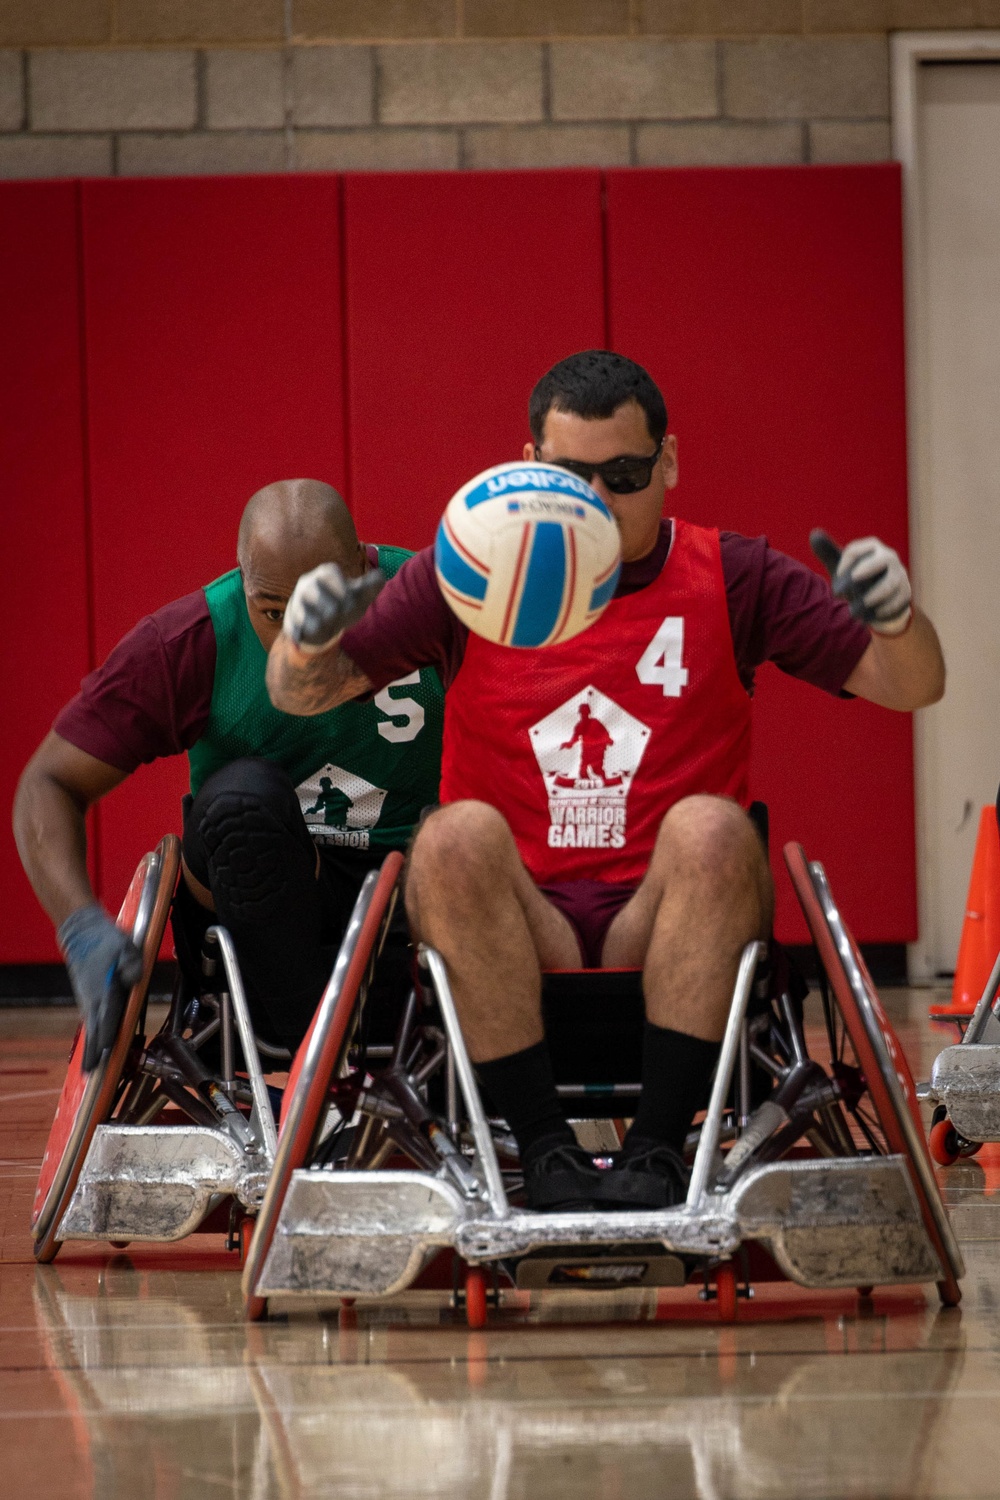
pixel 534 862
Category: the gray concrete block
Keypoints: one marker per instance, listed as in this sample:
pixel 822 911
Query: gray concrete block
pixel 11 91
pixel 788 77
pixel 719 145
pixel 458 83
pixel 719 17
pixel 125 89
pixel 26 155
pixel 374 19
pixel 55 23
pixel 849 140
pixel 545 17
pixel 547 146
pixel 244 89
pixel 382 150
pixel 201 153
pixel 633 79
pixel 333 85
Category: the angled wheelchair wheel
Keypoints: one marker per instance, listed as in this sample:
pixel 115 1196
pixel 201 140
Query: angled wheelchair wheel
pixel 868 1062
pixel 319 1059
pixel 88 1099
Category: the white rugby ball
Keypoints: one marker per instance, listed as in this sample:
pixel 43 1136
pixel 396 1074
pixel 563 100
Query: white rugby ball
pixel 527 554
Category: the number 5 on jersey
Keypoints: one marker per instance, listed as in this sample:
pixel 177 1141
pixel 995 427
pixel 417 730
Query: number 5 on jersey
pixel 661 664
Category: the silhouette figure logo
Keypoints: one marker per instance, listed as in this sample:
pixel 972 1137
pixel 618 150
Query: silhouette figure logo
pixel 588 751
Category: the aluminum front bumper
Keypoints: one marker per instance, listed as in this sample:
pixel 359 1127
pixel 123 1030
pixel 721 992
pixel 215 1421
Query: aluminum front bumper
pixel 846 1222
pixel 966 1080
pixel 149 1182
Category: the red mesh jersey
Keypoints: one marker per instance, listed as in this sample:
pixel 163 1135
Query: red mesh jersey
pixel 585 746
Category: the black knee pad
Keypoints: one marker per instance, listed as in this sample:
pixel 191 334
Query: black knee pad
pixel 245 838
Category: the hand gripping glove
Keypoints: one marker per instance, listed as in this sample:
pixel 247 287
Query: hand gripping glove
pixel 103 965
pixel 870 576
pixel 324 603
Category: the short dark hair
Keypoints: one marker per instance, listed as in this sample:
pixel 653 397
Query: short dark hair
pixel 594 384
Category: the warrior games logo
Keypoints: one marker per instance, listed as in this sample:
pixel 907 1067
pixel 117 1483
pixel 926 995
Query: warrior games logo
pixel 588 751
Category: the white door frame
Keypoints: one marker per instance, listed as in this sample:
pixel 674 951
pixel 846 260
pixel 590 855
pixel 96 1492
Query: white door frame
pixel 908 49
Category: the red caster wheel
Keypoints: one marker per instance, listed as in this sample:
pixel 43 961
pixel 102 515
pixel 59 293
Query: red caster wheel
pixel 726 1291
pixel 245 1235
pixel 944 1145
pixel 475 1297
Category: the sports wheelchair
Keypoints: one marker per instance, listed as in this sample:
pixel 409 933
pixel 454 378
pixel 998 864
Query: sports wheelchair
pixel 163 1138
pixel 386 1155
pixel 964 1086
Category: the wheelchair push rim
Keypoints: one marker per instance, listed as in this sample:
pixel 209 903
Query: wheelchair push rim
pixel 87 1099
pixel 886 1073
pixel 317 1062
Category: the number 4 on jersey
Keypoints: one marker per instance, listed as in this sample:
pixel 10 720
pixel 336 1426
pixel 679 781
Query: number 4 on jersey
pixel 661 662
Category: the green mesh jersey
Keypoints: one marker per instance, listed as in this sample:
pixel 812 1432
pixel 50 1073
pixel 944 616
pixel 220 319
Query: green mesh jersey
pixel 363 771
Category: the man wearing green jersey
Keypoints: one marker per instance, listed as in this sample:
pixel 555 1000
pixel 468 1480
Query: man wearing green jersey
pixel 286 814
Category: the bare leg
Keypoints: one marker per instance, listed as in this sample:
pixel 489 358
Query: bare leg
pixel 707 893
pixel 469 896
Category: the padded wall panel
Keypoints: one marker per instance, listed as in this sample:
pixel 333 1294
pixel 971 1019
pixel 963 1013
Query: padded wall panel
pixel 214 367
pixel 461 290
pixel 44 645
pixel 767 303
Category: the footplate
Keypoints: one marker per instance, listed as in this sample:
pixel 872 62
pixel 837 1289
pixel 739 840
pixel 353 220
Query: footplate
pixel 843 1222
pixel 148 1182
pixel 966 1080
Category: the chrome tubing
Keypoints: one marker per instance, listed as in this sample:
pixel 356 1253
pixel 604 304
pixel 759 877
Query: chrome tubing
pixel 467 1082
pixel 241 1011
pixel 709 1141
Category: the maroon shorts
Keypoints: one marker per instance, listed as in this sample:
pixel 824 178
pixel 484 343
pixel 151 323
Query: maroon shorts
pixel 590 907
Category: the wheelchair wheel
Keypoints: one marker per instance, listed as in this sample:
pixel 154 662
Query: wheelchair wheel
pixel 88 1099
pixel 868 1062
pixel 319 1060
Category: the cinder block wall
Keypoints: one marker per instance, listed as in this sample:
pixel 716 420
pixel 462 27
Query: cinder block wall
pixel 141 87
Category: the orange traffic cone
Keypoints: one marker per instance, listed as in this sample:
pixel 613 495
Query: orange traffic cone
pixel 980 942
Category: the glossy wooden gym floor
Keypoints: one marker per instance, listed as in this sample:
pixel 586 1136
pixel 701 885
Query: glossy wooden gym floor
pixel 132 1374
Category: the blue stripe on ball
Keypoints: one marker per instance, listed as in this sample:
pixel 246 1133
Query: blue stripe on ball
pixel 536 480
pixel 604 591
pixel 544 586
pixel 455 571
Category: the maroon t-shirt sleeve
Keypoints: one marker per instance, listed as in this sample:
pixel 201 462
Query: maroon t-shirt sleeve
pixel 152 695
pixel 408 626
pixel 781 611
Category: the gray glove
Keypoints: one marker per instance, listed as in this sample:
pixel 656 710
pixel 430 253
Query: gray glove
pixel 871 578
pixel 324 603
pixel 103 965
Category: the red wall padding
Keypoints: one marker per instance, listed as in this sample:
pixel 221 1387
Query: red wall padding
pixel 462 289
pixel 44 643
pixel 214 366
pixel 767 304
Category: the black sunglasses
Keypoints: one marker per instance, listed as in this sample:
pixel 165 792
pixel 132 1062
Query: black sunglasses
pixel 623 476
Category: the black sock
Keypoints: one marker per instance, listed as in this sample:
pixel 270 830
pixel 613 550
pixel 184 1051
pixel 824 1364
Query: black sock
pixel 676 1074
pixel 522 1089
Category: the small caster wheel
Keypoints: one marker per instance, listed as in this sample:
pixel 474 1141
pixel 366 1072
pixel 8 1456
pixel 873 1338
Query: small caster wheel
pixel 475 1297
pixel 726 1291
pixel 119 1244
pixel 865 1291
pixel 944 1143
pixel 244 1235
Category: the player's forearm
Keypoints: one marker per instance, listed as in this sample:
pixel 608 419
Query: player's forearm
pixel 902 672
pixel 306 683
pixel 50 830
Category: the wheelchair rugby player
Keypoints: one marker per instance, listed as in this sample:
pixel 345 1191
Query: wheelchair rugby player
pixel 688 886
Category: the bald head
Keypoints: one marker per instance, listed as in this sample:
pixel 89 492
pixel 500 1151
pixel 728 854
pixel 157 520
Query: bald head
pixel 296 513
pixel 287 529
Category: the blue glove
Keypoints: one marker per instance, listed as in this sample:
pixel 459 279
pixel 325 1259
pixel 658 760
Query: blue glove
pixel 103 965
